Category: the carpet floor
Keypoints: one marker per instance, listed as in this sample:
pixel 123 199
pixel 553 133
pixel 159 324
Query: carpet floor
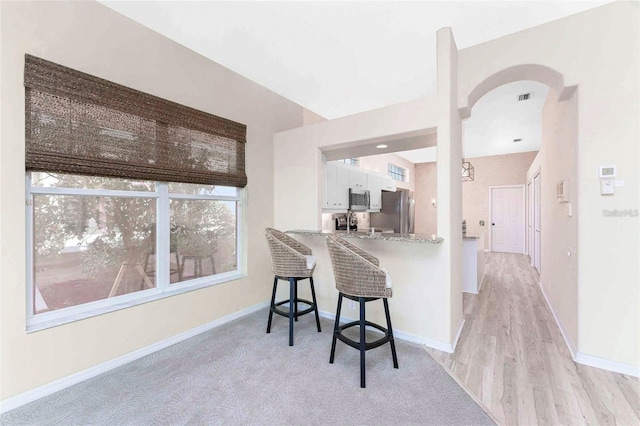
pixel 238 374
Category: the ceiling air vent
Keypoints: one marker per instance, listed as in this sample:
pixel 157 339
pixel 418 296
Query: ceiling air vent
pixel 518 140
pixel 524 97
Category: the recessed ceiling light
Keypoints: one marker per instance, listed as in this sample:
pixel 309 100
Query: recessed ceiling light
pixel 381 146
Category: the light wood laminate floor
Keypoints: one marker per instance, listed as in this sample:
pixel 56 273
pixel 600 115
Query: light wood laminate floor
pixel 512 358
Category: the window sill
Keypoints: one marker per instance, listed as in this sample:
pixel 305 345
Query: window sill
pixel 56 318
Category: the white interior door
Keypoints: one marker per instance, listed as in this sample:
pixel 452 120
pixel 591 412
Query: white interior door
pixel 507 219
pixel 536 222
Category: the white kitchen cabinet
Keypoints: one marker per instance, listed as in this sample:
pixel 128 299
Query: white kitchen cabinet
pixel 358 179
pixel 375 192
pixel 377 184
pixel 340 177
pixel 388 184
pixel 336 187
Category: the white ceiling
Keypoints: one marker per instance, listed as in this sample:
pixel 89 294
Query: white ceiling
pixel 341 58
pixel 498 118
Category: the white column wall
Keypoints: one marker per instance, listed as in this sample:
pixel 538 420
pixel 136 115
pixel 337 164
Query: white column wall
pixel 449 179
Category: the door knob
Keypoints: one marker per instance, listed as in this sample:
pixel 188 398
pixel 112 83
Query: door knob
pixel 493 224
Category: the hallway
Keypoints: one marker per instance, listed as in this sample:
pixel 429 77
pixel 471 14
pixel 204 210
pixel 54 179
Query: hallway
pixel 512 358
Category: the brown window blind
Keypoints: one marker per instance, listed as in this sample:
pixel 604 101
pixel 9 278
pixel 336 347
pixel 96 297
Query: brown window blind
pixel 80 124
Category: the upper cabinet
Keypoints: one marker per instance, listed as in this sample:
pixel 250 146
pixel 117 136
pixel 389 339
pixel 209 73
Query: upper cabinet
pixel 375 192
pixel 388 184
pixel 340 177
pixel 358 178
pixel 377 184
pixel 336 187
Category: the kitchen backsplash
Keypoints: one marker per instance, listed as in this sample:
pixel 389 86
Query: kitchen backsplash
pixel 328 223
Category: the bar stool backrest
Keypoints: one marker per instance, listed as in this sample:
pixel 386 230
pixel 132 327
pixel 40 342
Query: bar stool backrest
pixel 356 272
pixel 287 255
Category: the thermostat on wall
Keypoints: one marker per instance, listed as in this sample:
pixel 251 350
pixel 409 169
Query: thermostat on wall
pixel 607 171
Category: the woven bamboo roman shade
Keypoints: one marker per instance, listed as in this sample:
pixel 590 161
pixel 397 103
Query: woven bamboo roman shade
pixel 80 124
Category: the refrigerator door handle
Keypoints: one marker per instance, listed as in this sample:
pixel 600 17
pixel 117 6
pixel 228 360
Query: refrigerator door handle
pixel 411 213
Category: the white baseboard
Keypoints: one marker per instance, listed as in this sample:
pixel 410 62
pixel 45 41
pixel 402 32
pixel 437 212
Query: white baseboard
pixel 484 274
pixel 607 364
pixel 590 360
pixel 455 341
pixel 565 334
pixel 49 388
pixel 409 337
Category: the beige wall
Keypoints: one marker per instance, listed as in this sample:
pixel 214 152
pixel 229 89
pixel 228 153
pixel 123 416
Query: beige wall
pixel 310 117
pixel 92 38
pixel 426 190
pixel 380 164
pixel 601 60
pixel 558 160
pixel 495 170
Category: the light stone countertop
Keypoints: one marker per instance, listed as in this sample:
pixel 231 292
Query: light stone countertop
pixel 411 238
pixel 470 237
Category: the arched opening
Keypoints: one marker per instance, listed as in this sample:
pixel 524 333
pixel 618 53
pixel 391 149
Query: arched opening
pixel 501 140
pixel 509 315
pixel 531 72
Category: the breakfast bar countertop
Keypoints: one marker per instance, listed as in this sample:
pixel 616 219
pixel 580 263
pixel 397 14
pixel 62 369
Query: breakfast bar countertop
pixel 412 238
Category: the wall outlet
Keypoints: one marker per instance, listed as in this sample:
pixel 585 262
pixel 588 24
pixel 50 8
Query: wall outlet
pixel 352 304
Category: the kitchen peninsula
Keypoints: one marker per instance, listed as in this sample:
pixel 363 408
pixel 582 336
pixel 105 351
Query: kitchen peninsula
pixel 419 306
pixel 473 263
pixel 366 235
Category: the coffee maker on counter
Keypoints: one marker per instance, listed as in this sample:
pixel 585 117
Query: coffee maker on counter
pixel 341 222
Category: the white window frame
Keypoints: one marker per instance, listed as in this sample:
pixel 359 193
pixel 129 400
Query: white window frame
pixel 353 161
pixel 163 287
pixel 393 175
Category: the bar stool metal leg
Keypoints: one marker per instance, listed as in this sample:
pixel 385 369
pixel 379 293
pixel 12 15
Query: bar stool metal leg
pixel 292 294
pixel 363 341
pixel 336 329
pixel 273 303
pixel 390 331
pixel 295 301
pixel 315 303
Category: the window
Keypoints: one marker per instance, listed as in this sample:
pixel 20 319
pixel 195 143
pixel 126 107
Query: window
pixel 397 173
pixel 350 161
pixel 96 242
pixel 130 197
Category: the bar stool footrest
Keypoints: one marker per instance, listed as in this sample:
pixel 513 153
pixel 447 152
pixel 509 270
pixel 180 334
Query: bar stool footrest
pixel 356 344
pixel 310 309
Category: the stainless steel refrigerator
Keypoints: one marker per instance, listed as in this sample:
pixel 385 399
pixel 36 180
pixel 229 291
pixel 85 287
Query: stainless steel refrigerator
pixel 397 212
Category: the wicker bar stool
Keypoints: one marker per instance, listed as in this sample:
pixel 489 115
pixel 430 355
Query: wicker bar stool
pixel 292 261
pixel 359 278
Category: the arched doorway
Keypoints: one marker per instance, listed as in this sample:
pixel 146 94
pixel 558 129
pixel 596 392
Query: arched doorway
pixel 529 214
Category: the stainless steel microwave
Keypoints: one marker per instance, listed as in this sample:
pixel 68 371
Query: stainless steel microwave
pixel 358 199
